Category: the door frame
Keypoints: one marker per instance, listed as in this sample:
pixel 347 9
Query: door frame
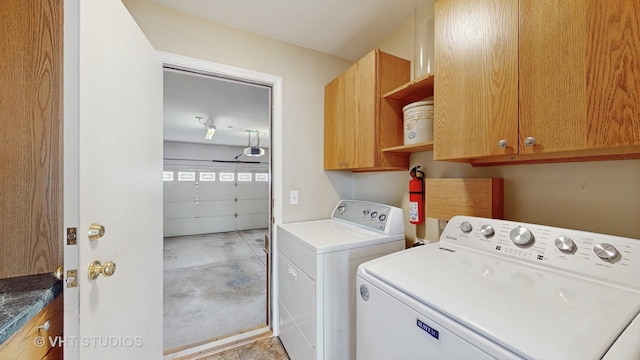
pixel 225 71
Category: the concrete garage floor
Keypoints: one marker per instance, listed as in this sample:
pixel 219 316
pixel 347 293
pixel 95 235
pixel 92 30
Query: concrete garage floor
pixel 214 285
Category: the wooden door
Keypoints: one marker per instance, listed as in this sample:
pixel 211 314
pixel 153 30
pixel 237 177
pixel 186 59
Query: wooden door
pixel 476 77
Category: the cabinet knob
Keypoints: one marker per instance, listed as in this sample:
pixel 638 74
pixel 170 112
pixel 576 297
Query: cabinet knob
pixel 530 141
pixel 502 143
pixel 45 326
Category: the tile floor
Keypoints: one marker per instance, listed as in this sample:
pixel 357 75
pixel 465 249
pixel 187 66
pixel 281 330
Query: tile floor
pixel 266 349
pixel 214 285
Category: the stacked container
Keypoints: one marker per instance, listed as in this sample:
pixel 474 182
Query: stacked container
pixel 418 122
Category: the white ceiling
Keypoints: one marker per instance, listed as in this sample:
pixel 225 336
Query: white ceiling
pixel 344 28
pixel 234 107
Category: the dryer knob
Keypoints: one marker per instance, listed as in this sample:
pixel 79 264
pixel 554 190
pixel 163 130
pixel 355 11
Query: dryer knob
pixel 606 252
pixel 521 236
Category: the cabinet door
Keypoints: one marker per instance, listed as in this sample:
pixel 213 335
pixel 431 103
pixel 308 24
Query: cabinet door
pixel 332 117
pixel 476 76
pixel 363 141
pixel 552 75
pixel 579 74
pixel 339 111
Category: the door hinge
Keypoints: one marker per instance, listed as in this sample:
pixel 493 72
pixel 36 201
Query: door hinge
pixel 72 236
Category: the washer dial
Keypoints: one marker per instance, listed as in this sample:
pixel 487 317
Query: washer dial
pixel 565 244
pixel 606 252
pixel 521 236
pixel 487 231
pixel 466 227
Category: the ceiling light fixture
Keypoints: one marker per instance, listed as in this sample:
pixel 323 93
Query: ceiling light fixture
pixel 211 129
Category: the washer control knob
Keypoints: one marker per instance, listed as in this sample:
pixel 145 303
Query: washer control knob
pixel 466 227
pixel 606 252
pixel 521 236
pixel 487 231
pixel 342 208
pixel 565 244
pixel 365 212
pixel 382 217
pixel 374 214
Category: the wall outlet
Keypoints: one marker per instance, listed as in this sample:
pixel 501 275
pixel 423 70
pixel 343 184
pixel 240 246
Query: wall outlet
pixel 293 197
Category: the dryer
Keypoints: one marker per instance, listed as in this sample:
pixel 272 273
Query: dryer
pixel 317 263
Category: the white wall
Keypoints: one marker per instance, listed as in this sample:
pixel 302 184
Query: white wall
pixel 304 73
pixel 594 196
pixel 599 196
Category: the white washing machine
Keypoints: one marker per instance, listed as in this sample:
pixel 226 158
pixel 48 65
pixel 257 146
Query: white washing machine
pixel 316 269
pixel 495 289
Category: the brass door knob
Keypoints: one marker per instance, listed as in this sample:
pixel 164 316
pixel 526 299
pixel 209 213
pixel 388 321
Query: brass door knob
pixel 96 231
pixel 59 273
pixel 95 269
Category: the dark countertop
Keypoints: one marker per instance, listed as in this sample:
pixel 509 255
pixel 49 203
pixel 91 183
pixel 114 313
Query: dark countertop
pixel 23 297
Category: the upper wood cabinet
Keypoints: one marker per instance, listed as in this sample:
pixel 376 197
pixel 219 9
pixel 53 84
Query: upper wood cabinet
pixel 359 123
pixel 31 138
pixel 536 80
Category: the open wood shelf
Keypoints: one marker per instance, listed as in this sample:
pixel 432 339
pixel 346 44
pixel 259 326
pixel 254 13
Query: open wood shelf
pixel 414 90
pixel 408 149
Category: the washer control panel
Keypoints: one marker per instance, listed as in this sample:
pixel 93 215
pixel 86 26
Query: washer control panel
pixel 379 217
pixel 612 258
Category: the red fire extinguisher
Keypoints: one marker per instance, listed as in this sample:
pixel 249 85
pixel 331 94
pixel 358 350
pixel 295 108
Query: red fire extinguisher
pixel 416 196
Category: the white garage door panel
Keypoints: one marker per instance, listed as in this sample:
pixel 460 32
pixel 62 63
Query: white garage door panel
pixel 215 225
pixel 179 191
pixel 203 207
pixel 216 208
pixel 253 191
pixel 179 210
pixel 248 222
pixel 216 191
pixel 179 227
pixel 246 207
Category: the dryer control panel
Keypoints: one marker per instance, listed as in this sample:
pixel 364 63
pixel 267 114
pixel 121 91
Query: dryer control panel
pixel 369 215
pixel 613 259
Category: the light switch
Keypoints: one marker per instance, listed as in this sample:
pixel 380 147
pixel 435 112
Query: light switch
pixel 293 197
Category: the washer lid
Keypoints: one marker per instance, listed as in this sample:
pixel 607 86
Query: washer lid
pixel 324 236
pixel 533 312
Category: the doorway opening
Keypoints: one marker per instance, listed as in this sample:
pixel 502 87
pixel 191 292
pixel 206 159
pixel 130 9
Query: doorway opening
pixel 217 207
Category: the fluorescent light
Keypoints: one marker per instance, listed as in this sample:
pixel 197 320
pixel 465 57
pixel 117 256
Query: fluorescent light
pixel 211 129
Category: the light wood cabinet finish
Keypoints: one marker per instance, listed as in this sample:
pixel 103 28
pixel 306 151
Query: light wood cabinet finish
pixel 446 198
pixel 476 77
pixel 24 345
pixel 358 122
pixel 31 136
pixel 577 76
